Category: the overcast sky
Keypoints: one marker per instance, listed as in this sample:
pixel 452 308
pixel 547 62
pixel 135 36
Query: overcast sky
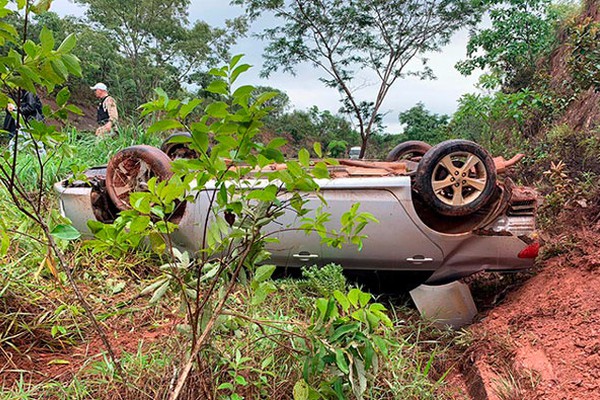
pixel 305 90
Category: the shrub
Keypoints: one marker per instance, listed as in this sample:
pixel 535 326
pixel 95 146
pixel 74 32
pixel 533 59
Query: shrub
pixel 324 281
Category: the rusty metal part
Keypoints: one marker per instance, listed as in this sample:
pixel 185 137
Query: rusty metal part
pixel 176 150
pixel 502 165
pixel 103 207
pixel 130 169
pixel 397 168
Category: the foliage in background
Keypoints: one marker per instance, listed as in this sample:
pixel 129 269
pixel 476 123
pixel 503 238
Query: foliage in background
pixel 420 124
pixel 134 46
pixel 500 122
pixel 521 32
pixel 584 61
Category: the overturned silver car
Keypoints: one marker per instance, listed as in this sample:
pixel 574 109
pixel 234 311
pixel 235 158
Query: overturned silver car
pixel 445 212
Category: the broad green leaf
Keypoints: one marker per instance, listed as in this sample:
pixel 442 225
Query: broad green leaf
pixel 46 40
pixel 30 48
pixel 218 87
pixel 340 361
pixel 301 390
pixel 217 110
pixel 65 232
pixel 240 380
pixel 41 6
pixel 261 293
pixel 218 72
pixel 363 298
pixel 164 125
pixel 9 32
pixel 264 272
pixel 304 157
pixel 74 109
pixel 342 300
pixel 234 60
pixel 276 143
pixel 273 154
pixel 62 96
pixel 267 194
pixel 265 97
pixel 343 330
pixel 139 224
pixel 68 44
pixel 353 297
pixel 243 91
pixel 59 68
pixel 318 150
pixel 187 108
pixel 72 64
pixel 225 386
pixel 24 70
pixel 239 70
pixel 320 170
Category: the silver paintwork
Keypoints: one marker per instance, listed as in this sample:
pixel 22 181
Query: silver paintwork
pixel 400 241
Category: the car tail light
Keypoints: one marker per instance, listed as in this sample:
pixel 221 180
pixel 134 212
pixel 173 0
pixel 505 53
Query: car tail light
pixel 531 251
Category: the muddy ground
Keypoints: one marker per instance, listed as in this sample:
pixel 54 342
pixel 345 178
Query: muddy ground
pixel 543 340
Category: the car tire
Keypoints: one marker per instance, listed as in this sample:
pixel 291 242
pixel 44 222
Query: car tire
pixel 411 150
pixel 456 177
pixel 178 150
pixel 129 170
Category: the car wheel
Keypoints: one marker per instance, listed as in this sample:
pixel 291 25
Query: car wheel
pixel 178 150
pixel 411 150
pixel 456 177
pixel 130 169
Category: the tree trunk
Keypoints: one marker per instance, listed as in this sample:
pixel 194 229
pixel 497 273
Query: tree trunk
pixel 363 147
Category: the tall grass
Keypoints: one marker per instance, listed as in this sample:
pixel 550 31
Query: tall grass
pixel 81 149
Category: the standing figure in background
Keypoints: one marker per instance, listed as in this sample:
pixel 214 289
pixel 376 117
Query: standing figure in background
pixel 107 111
pixel 30 107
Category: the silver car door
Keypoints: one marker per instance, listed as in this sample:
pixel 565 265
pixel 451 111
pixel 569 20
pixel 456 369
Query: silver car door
pixel 395 243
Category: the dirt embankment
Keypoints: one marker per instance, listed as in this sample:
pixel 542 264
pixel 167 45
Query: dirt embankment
pixel 543 341
pixel 583 112
pixel 86 102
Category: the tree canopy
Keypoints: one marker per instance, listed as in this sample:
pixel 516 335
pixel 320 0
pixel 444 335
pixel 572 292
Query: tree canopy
pixel 157 44
pixel 343 38
pixel 421 124
pixel 521 31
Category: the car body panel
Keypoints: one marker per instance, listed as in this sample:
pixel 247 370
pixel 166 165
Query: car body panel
pixel 401 241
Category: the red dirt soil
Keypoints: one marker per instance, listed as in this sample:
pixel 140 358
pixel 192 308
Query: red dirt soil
pixel 125 335
pixel 543 342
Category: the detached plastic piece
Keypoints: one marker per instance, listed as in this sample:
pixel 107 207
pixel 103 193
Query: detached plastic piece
pixel 450 304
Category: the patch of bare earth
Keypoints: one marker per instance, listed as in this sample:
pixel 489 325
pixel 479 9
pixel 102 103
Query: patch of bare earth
pixel 39 364
pixel 543 341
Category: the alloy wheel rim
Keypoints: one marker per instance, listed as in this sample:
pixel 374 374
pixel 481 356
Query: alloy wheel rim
pixel 459 178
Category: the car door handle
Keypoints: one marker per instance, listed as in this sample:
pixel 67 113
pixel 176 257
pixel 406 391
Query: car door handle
pixel 419 260
pixel 305 256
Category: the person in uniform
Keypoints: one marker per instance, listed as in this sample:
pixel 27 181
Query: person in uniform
pixel 107 111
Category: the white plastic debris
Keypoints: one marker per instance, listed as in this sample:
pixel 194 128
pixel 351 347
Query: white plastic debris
pixel 450 304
